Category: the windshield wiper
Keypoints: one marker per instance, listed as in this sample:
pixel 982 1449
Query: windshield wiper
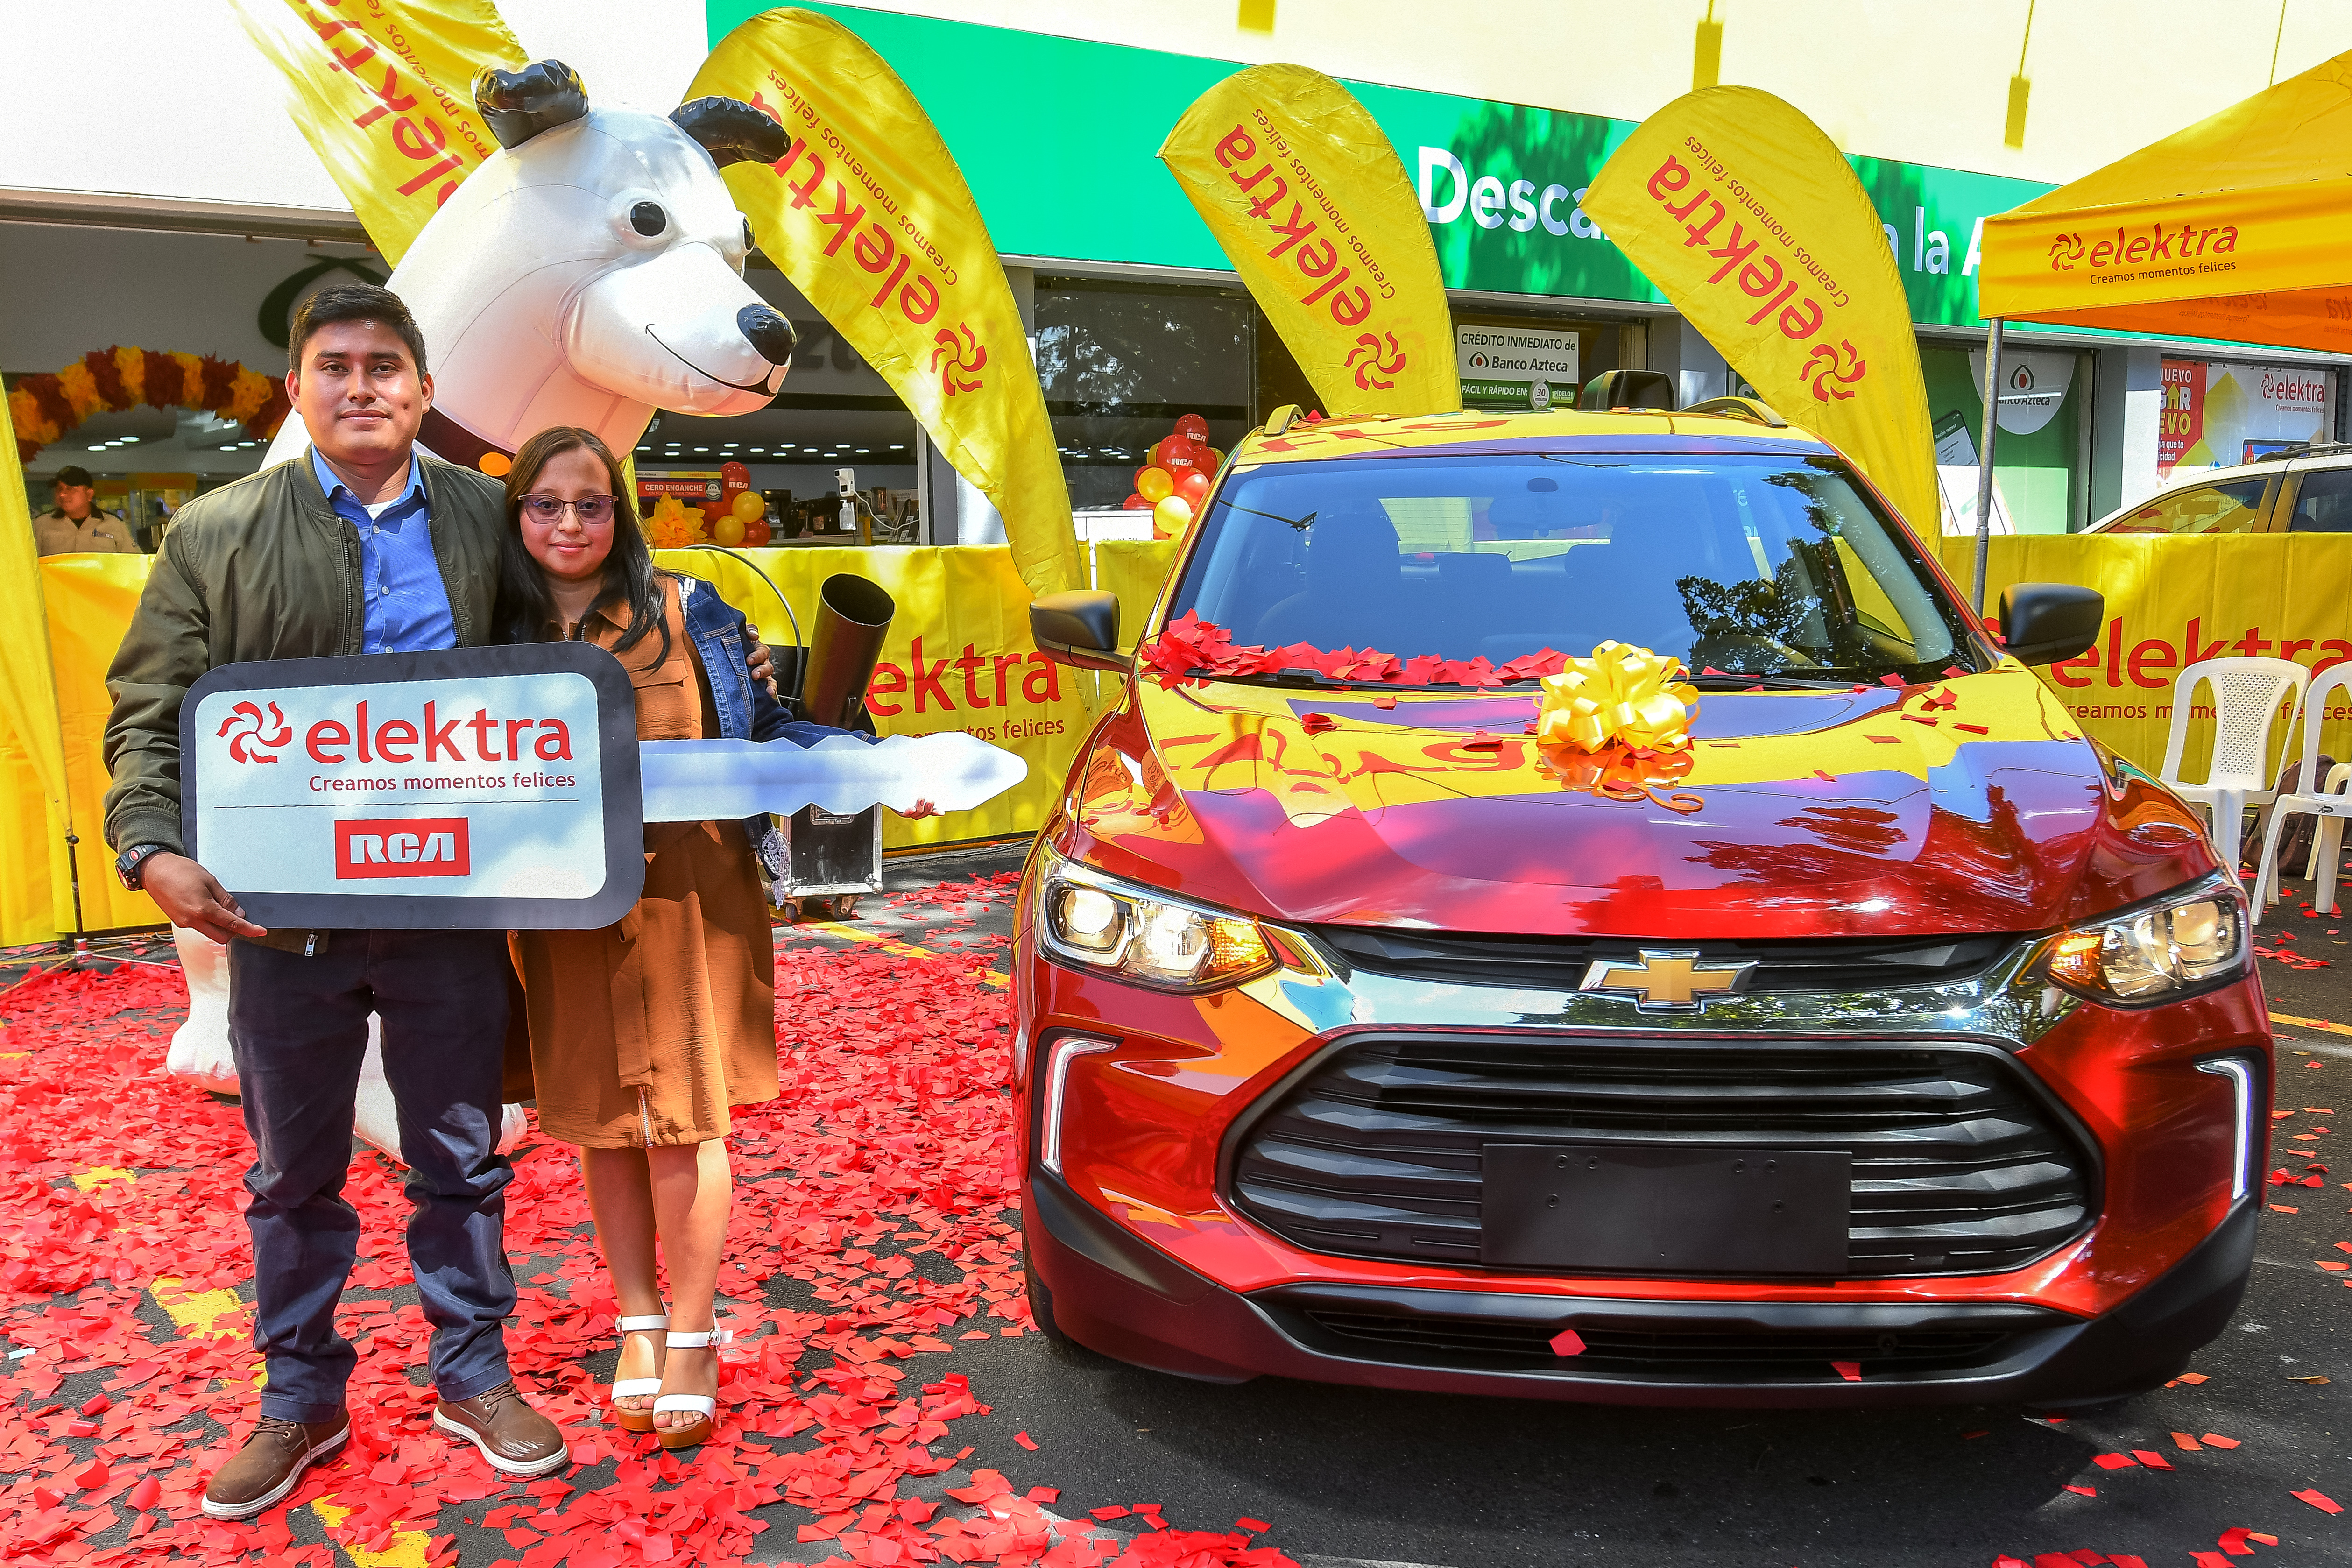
pixel 1300 523
pixel 1726 682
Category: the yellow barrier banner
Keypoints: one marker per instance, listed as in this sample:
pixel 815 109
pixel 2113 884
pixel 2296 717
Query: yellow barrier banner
pixel 91 600
pixel 32 764
pixel 958 657
pixel 383 90
pixel 869 217
pixel 1750 220
pixel 1304 193
pixel 2174 601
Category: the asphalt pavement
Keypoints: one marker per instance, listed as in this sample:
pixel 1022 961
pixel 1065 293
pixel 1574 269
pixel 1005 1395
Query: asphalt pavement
pixel 1362 1476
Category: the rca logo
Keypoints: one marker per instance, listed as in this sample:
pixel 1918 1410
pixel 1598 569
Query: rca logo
pixel 402 847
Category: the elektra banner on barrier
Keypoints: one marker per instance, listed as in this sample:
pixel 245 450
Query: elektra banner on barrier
pixel 479 787
pixel 491 788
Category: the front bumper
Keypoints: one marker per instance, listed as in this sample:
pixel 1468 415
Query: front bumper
pixel 1138 1231
pixel 1114 1293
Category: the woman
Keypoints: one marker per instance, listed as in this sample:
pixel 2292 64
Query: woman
pixel 643 1034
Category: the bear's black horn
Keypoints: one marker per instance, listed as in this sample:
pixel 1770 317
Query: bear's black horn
pixel 732 130
pixel 520 104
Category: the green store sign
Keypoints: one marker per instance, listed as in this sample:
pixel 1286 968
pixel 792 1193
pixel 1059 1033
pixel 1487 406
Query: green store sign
pixel 1058 140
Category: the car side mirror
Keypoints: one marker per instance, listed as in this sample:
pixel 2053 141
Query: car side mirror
pixel 2043 623
pixel 1080 629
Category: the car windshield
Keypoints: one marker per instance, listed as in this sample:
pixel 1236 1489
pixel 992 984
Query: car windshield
pixel 1754 566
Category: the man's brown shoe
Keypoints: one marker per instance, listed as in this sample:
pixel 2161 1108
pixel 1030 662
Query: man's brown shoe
pixel 271 1463
pixel 511 1435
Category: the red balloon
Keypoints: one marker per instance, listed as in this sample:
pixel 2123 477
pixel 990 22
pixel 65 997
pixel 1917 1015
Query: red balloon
pixel 1135 503
pixel 1193 484
pixel 1175 453
pixel 1194 428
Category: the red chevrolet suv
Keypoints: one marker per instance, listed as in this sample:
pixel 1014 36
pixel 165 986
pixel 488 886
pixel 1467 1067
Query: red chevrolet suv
pixel 1887 1042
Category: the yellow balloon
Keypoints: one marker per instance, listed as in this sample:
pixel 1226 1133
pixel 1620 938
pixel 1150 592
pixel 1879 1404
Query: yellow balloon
pixel 1154 484
pixel 728 529
pixel 1171 514
pixel 750 504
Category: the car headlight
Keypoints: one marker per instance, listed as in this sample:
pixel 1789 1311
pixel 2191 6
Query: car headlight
pixel 2191 939
pixel 1094 921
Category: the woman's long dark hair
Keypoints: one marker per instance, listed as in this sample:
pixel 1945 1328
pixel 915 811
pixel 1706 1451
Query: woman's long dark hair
pixel 525 608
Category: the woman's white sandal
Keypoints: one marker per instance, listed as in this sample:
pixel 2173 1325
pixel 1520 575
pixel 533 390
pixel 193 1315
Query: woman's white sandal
pixel 633 1387
pixel 702 1405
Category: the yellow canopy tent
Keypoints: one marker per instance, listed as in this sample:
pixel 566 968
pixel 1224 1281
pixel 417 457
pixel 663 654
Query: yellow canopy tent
pixel 2234 229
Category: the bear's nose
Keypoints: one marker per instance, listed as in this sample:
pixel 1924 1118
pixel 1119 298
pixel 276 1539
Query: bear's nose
pixel 768 331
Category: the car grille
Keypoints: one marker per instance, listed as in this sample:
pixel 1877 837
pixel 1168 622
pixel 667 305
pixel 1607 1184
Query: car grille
pixel 1958 1165
pixel 1725 1351
pixel 1561 964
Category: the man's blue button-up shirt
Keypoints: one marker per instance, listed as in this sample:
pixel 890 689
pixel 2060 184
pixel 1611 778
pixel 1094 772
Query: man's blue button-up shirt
pixel 406 601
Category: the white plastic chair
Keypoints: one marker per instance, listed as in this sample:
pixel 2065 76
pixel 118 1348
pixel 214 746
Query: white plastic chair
pixel 2325 801
pixel 2247 696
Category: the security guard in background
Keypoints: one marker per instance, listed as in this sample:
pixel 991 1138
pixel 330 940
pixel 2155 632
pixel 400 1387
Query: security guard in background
pixel 75 523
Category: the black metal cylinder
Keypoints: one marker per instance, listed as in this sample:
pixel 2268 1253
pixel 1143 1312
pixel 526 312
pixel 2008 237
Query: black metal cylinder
pixel 853 615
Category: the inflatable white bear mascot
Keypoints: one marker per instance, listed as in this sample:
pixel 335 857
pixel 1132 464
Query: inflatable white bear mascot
pixel 588 273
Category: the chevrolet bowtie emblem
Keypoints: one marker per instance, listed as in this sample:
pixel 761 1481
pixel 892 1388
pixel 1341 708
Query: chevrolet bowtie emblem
pixel 1667 979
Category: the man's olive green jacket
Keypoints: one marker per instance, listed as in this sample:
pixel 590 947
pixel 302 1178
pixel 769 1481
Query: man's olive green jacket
pixel 265 569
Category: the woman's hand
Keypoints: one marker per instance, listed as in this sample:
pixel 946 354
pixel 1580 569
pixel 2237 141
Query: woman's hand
pixel 756 660
pixel 920 810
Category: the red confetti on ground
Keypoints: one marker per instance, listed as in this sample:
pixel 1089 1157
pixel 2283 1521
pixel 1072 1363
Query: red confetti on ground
pixel 2083 1491
pixel 1026 1440
pixel 1568 1341
pixel 2319 1500
pixel 888 1143
pixel 2213 1440
pixel 2113 1461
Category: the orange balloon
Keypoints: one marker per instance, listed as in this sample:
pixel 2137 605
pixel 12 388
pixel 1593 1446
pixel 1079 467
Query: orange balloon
pixel 1171 516
pixel 1154 484
pixel 750 504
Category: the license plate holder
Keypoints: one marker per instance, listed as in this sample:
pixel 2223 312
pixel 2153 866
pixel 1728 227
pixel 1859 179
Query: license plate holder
pixel 1643 1208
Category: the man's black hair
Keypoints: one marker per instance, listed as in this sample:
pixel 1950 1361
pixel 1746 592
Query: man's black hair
pixel 352 302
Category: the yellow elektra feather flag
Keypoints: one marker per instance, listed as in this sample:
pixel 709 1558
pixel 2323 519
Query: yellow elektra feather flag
pixel 1752 223
pixel 869 217
pixel 1304 195
pixel 384 93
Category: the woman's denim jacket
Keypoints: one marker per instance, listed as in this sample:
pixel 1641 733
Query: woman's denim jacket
pixel 747 711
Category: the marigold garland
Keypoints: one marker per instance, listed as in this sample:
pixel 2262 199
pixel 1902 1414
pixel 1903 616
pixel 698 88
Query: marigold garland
pixel 44 407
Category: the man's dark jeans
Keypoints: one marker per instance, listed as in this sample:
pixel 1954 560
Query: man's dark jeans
pixel 299 1029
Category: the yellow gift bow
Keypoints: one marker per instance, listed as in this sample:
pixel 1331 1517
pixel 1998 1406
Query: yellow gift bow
pixel 1622 696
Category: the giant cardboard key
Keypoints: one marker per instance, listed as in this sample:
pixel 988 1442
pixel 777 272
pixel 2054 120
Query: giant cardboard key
pixel 491 787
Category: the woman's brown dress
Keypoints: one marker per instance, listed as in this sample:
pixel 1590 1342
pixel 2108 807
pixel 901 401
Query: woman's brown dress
pixel 645 1032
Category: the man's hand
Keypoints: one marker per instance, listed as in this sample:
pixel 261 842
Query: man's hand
pixel 920 810
pixel 190 897
pixel 763 668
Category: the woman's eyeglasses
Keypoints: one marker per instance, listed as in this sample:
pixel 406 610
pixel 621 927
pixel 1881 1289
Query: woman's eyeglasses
pixel 549 510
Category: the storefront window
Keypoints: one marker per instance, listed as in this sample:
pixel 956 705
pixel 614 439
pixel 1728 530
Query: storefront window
pixel 2038 478
pixel 2217 415
pixel 1121 364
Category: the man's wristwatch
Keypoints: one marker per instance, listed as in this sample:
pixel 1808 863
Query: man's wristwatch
pixel 127 864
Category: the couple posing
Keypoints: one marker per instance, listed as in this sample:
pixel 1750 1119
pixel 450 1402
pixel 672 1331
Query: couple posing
pixel 641 1034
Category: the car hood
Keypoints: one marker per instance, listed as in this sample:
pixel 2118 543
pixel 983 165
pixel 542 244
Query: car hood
pixel 1970 804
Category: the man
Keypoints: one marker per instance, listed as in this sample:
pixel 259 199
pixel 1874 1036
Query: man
pixel 363 544
pixel 75 523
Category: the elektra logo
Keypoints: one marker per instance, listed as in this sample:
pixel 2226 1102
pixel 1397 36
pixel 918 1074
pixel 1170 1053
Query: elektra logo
pixel 402 847
pixel 251 731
